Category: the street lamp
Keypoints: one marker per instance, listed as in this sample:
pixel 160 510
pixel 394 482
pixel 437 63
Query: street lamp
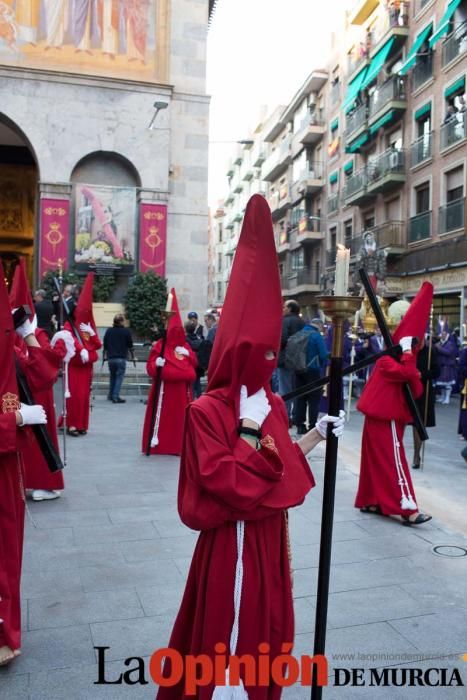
pixel 157 107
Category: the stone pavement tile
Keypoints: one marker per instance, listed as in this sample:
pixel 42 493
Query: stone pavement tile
pixel 62 558
pixel 140 637
pixel 302 533
pixel 38 583
pixel 13 686
pixel 150 498
pixel 452 592
pixel 161 600
pixel 37 537
pixel 183 565
pixel 439 633
pixel 55 648
pixel 173 527
pixel 78 683
pixel 128 576
pixel 55 519
pixel 162 548
pixel 122 485
pixel 114 533
pixel 67 503
pixel 304 610
pixel 141 514
pixel 67 610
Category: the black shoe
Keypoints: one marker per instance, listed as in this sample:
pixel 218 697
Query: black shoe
pixel 301 430
pixel 109 398
pixel 415 466
pixel 118 400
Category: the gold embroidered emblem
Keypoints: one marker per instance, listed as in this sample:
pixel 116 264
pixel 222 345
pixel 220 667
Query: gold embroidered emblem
pixel 268 442
pixel 10 403
pixel 85 336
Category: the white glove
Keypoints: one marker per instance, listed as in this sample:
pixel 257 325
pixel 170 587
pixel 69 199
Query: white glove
pixel 406 343
pixel 32 415
pixel 181 350
pixel 255 407
pixel 69 344
pixel 160 362
pixel 87 328
pixel 84 356
pixel 25 329
pixel 338 430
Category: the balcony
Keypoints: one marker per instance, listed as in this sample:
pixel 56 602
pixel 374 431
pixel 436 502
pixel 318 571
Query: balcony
pixel 279 202
pixel 311 180
pixel 422 149
pixel 229 199
pixel 454 132
pixel 356 188
pixel 230 169
pixel 390 97
pixel 362 10
pixel 391 24
pixel 231 245
pixel 389 236
pixel 301 281
pixel 356 123
pixel 258 157
pixel 452 216
pixel 333 203
pixel 277 162
pixel 387 172
pixel 248 175
pixel 454 45
pixel 420 227
pixel 309 230
pixel 311 130
pixel 357 60
pixel 283 242
pixel 422 72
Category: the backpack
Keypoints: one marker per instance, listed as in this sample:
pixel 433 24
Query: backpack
pixel 296 351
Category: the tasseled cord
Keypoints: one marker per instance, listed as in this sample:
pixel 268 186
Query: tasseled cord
pixel 407 500
pixel 67 338
pixel 155 435
pixel 234 692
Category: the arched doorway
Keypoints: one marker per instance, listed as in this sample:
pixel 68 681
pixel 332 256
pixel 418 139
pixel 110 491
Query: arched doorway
pixel 19 176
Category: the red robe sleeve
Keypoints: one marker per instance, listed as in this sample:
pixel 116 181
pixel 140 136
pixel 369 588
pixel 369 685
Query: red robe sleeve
pixel 402 372
pixel 153 355
pixel 240 477
pixel 41 367
pixel 8 433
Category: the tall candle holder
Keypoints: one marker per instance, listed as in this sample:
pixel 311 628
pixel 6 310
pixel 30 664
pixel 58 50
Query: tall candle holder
pixel 338 309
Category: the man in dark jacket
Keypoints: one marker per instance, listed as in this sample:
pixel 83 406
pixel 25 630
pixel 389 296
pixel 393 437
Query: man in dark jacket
pixel 117 344
pixel 44 312
pixel 427 365
pixel 316 357
pixel 291 323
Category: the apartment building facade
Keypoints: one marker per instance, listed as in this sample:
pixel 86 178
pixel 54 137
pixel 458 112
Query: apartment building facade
pixel 372 149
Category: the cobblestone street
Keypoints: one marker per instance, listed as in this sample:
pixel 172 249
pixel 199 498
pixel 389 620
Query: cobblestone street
pixel 105 565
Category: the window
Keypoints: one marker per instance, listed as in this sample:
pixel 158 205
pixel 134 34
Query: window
pixel 368 220
pixel 348 233
pixel 297 260
pixel 393 209
pixel 299 116
pixel 219 290
pixel 454 184
pixel 422 198
pixel 220 233
pixel 297 214
pixel 219 262
pixel 298 166
pixel 332 239
pixel 395 139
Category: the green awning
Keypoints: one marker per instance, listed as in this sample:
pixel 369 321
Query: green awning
pixel 416 46
pixel 353 89
pixel 355 145
pixel 388 117
pixel 335 124
pixel 444 24
pixel 457 87
pixel 377 63
pixel 348 167
pixel 333 177
pixel 425 109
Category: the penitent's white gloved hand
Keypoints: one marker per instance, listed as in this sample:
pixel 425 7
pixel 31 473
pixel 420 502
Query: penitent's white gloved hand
pixel 338 422
pixel 25 329
pixel 87 328
pixel 406 343
pixel 255 407
pixel 69 343
pixel 160 362
pixel 181 350
pixel 33 415
pixel 84 356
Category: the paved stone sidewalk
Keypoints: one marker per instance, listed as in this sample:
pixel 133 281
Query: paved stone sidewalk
pixel 105 565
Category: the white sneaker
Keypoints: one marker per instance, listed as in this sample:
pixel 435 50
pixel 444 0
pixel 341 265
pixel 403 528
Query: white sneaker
pixel 42 495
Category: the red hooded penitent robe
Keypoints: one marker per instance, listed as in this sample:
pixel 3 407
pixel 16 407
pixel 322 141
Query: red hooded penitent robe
pixel 224 480
pixel 178 375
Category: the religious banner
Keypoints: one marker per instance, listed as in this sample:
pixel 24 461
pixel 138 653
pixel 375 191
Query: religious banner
pixel 55 223
pixel 152 238
pixel 105 222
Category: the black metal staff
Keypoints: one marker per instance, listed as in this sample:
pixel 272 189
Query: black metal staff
pixel 338 309
pixel 417 421
pixel 64 369
pixel 158 378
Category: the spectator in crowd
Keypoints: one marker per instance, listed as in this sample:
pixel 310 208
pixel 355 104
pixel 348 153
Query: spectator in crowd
pixel 195 341
pixel 196 326
pixel 316 357
pixel 117 344
pixel 447 354
pixel 210 321
pixel 291 323
pixel 44 312
pixel 429 370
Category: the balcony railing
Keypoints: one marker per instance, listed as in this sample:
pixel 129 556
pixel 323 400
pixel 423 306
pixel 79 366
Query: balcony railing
pixel 357 58
pixel 333 203
pixel 392 19
pixel 421 149
pixel 356 182
pixel 451 216
pixel 423 71
pixel 277 157
pixel 300 277
pixel 391 161
pixel 420 227
pixel 387 235
pixel 392 89
pixel 355 121
pixel 454 131
pixel 331 258
pixel 455 44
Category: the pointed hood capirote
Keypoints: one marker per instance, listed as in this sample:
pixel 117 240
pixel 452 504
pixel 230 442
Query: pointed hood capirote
pixel 251 319
pixel 415 320
pixel 20 292
pixel 175 331
pixel 8 386
pixel 83 310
